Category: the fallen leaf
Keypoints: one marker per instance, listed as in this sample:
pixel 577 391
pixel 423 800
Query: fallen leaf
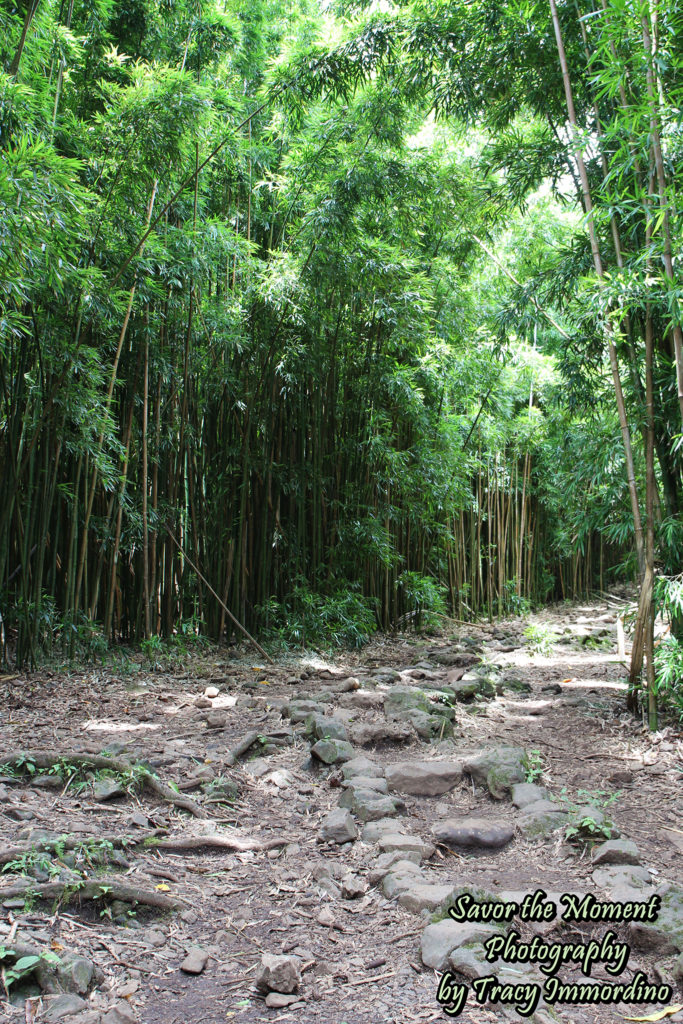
pixel 162 887
pixel 668 1011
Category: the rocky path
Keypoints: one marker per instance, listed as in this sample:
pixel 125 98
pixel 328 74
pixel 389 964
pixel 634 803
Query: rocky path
pixel 328 833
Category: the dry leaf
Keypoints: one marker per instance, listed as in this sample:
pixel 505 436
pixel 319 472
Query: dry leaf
pixel 162 887
pixel 659 1014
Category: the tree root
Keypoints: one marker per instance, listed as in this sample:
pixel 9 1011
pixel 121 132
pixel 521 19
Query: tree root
pixel 242 747
pixel 235 845
pixel 50 759
pixel 72 842
pixel 91 889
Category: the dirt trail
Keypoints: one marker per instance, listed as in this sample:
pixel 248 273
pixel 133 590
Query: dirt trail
pixel 344 910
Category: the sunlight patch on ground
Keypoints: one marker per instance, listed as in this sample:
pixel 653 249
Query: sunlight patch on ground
pixel 94 726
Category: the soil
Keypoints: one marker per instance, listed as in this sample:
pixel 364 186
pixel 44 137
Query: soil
pixel 360 957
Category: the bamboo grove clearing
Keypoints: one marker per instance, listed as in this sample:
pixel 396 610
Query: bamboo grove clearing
pixel 332 318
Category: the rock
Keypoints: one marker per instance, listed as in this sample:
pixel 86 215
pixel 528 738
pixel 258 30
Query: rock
pixel 470 961
pixel 499 768
pixel 516 685
pixel 202 702
pixel 107 789
pixel 217 720
pixel 120 1013
pixel 678 971
pixel 404 698
pixel 403 876
pixel 370 734
pixel 386 861
pixel 364 699
pixel 615 851
pixel 474 833
pixel 453 658
pixel 64 1006
pixel 353 887
pixel 279 973
pixel 541 818
pixel 373 830
pixel 195 961
pixel 665 935
pixel 4 794
pixel 332 751
pixel 427 726
pixel 421 897
pixel 525 793
pixel 76 974
pixel 552 688
pixel 156 937
pixel 278 1000
pixel 324 727
pixel 299 710
pixel 402 843
pixel 369 805
pixel 362 782
pixel 339 827
pixel 440 939
pixel 624 882
pixel 211 692
pixel 424 778
pixel 362 766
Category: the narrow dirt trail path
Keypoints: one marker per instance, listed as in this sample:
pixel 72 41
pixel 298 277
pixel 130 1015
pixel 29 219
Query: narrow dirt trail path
pixel 345 894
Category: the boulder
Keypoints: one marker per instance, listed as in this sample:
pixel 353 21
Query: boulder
pixel 424 778
pixel 498 768
pixel 332 751
pixel 339 826
pixel 474 833
pixel 440 939
pixel 279 973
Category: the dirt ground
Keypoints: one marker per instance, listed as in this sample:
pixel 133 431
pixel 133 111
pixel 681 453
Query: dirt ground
pixel 360 957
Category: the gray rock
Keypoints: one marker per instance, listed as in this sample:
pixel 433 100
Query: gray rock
pixel 278 1000
pixel 386 861
pixel 107 789
pixel 404 698
pixel 370 734
pixel 64 1006
pixel 525 793
pixel 374 830
pixel 427 726
pixel 615 851
pixel 404 875
pixel 299 710
pixel 339 827
pixel 474 833
pixel 332 751
pixel 591 823
pixel 362 766
pixel 665 935
pixel 120 1013
pixel 4 794
pixel 499 768
pixel 678 971
pixel 541 818
pixel 279 973
pixel 76 974
pixel 368 805
pixel 325 727
pixel 624 882
pixel 363 782
pixel 402 843
pixel 440 939
pixel 422 897
pixel 424 778
pixel 195 961
pixel 353 887
pixel 364 699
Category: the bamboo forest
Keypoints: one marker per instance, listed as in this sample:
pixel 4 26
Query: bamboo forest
pixel 325 317
pixel 341 511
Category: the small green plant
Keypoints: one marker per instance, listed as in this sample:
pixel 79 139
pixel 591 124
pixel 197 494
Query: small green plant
pixel 21 967
pixel 587 821
pixel 540 639
pixel 535 766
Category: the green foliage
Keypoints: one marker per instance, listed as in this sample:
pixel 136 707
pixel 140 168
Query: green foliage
pixel 307 619
pixel 540 639
pixel 535 766
pixel 585 827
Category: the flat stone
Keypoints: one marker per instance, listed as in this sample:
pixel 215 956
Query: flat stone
pixel 370 734
pixel 106 789
pixel 623 881
pixel 404 875
pixel 353 887
pixel 332 751
pixel 665 935
pixel 424 778
pixel 325 727
pixel 422 897
pixel 427 726
pixel 373 830
pixel 120 1013
pixel 279 973
pixel 203 703
pixel 365 782
pixel 439 940
pixel 299 710
pixel 541 818
pixel 615 851
pixel 402 843
pixel 498 768
pixel 474 833
pixel 339 827
pixel 195 961
pixel 364 699
pixel 362 766
pixel 278 1000
pixel 64 1006
pixel 386 861
pixel 368 805
pixel 525 793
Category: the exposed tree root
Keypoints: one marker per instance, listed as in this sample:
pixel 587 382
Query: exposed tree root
pixel 73 842
pixel 242 747
pixel 236 844
pixel 50 758
pixel 91 889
